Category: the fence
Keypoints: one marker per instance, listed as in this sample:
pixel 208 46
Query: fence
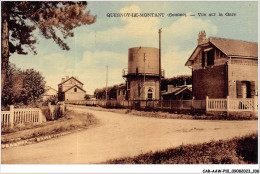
pixel 150 104
pixel 21 116
pixel 232 104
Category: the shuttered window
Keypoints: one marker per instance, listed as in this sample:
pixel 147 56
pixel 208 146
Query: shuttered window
pixel 245 89
pixel 239 89
pixel 252 88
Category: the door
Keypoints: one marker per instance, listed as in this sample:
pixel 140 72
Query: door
pixel 244 90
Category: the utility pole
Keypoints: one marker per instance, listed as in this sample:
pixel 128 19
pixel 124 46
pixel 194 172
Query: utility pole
pixel 106 81
pixel 144 79
pixel 160 71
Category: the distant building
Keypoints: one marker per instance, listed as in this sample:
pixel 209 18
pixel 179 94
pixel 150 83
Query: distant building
pixel 121 92
pixel 71 89
pixel 142 75
pixel 49 93
pixel 177 93
pixel 224 67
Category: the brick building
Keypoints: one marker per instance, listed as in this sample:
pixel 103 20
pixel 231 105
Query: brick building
pixel 121 92
pixel 71 89
pixel 224 67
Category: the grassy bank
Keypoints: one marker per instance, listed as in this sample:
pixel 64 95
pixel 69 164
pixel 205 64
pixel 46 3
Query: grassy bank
pixel 168 115
pixel 69 122
pixel 239 150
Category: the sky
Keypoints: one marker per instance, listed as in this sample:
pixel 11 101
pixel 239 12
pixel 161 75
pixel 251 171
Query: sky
pixel 106 42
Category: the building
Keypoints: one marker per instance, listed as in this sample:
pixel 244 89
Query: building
pixel 142 75
pixel 224 67
pixel 49 93
pixel 71 89
pixel 121 92
pixel 178 93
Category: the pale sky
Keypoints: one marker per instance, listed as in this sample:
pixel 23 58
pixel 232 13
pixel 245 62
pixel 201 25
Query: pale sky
pixel 107 41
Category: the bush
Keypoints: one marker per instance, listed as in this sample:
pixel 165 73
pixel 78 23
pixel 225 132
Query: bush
pixel 47 113
pixel 235 151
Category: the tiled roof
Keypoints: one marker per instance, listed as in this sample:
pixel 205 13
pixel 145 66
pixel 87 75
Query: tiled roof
pixel 69 79
pixel 47 88
pixel 235 47
pixel 176 90
pixel 73 87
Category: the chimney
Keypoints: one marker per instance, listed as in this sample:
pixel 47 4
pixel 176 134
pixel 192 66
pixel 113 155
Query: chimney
pixel 62 80
pixel 202 37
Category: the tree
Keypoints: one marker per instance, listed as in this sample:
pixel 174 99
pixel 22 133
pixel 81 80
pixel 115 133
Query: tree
pixel 22 87
pixel 55 20
pixel 176 81
pixel 7 96
pixel 87 97
pixel 33 84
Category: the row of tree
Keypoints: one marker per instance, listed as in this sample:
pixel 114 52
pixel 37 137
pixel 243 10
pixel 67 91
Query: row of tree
pixel 176 81
pixel 22 87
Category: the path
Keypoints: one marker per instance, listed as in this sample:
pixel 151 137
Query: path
pixel 120 135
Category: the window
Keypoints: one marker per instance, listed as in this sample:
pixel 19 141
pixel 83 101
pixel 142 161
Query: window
pixel 139 90
pixel 222 54
pixel 123 92
pixel 245 89
pixel 210 57
pixel 118 92
pixel 203 59
pixel 75 89
pixel 150 94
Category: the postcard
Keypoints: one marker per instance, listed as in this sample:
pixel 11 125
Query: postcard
pixel 129 82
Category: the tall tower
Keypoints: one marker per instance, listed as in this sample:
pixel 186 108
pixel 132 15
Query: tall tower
pixel 142 75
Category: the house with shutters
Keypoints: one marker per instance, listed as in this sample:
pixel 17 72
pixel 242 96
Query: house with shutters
pixel 224 67
pixel 121 92
pixel 71 89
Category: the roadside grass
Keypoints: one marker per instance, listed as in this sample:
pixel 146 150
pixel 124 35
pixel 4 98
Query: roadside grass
pixel 71 121
pixel 238 150
pixel 170 115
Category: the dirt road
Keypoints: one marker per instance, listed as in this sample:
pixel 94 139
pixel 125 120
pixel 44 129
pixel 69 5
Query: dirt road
pixel 120 135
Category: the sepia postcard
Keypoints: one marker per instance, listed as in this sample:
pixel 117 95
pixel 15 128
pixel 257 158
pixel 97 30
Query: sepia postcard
pixel 107 83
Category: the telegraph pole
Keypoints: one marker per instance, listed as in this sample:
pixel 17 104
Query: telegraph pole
pixel 106 81
pixel 160 71
pixel 144 79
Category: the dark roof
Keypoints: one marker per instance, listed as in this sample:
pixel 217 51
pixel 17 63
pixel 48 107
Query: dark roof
pixel 176 90
pixel 73 87
pixel 229 47
pixel 121 86
pixel 235 47
pixel 69 79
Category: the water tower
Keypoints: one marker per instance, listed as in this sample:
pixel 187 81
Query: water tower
pixel 142 75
